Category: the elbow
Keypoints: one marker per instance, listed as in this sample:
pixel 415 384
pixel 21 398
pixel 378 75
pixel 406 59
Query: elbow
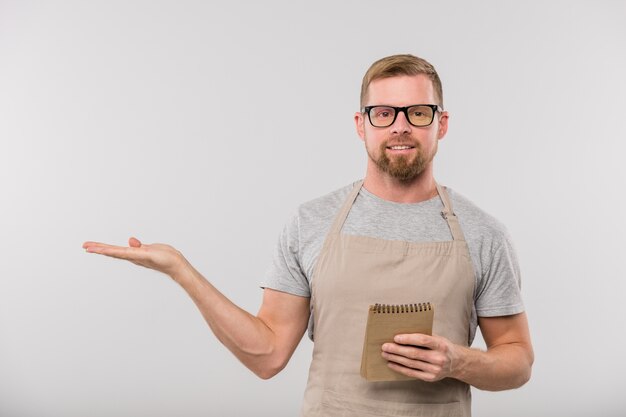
pixel 264 361
pixel 512 381
pixel 515 374
pixel 266 374
pixel 525 372
pixel 265 364
pixel 524 377
pixel 521 361
pixel 528 371
pixel 269 369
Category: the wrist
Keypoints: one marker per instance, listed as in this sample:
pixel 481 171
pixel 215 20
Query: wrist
pixel 460 359
pixel 182 271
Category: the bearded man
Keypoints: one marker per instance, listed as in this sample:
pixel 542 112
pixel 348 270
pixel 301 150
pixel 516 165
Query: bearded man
pixel 395 237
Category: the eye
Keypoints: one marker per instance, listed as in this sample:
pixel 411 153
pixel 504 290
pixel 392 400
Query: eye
pixel 383 113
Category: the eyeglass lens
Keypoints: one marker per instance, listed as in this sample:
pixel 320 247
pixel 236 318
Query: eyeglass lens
pixel 382 116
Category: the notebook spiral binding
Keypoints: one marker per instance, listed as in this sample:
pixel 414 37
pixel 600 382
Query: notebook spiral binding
pixel 400 308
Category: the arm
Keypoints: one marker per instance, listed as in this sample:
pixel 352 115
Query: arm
pixel 505 365
pixel 509 357
pixel 264 343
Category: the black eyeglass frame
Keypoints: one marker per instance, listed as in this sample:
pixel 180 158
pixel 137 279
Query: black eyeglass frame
pixel 434 107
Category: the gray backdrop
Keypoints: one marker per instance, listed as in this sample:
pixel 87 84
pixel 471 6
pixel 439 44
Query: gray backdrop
pixel 204 125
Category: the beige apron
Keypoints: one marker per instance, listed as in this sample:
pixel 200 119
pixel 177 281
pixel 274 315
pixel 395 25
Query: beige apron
pixel 353 272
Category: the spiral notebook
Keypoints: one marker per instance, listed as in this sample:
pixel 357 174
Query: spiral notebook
pixel 384 321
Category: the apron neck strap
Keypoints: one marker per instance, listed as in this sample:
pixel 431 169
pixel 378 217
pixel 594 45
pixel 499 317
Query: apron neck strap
pixel 449 215
pixel 340 218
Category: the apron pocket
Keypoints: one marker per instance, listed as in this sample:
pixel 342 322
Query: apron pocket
pixel 338 405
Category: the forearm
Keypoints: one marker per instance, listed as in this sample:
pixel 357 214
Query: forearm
pixel 502 367
pixel 244 334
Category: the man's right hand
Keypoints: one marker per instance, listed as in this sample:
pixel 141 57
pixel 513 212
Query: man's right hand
pixel 157 256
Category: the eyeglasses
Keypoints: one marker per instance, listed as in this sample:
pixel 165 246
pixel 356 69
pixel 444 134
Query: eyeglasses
pixel 418 115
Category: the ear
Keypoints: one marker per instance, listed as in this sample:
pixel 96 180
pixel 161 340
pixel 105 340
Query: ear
pixel 359 122
pixel 443 125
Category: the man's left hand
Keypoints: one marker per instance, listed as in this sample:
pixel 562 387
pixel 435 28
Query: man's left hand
pixel 429 358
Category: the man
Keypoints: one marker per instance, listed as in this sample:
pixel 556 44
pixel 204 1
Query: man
pixel 396 237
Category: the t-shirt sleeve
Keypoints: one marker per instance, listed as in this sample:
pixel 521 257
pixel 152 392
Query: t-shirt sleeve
pixel 285 272
pixel 499 292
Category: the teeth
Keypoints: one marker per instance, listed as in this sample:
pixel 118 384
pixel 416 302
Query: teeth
pixel 400 147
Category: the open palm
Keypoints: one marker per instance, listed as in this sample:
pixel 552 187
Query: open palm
pixel 157 256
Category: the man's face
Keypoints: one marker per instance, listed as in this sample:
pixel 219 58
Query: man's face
pixel 387 146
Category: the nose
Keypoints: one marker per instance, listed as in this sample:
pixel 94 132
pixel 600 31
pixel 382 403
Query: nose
pixel 401 124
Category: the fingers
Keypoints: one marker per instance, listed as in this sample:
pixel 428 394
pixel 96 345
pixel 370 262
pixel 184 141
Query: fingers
pixel 411 352
pixel 417 339
pixel 131 253
pixel 412 372
pixel 110 250
pixel 133 242
pixel 414 361
pixel 88 243
pixel 95 247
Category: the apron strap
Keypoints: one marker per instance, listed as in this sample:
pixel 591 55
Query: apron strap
pixel 449 215
pixel 341 216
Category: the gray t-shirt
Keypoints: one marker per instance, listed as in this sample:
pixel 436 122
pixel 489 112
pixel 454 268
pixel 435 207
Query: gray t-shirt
pixel 496 270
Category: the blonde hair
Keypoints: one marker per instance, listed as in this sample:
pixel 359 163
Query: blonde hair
pixel 396 65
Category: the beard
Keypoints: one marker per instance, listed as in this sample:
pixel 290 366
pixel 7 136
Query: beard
pixel 401 167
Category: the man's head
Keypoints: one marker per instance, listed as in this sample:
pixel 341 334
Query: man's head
pixel 401 136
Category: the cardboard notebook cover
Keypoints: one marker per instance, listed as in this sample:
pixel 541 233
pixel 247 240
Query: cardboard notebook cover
pixel 383 323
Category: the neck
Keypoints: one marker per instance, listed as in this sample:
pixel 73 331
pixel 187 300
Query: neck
pixel 420 188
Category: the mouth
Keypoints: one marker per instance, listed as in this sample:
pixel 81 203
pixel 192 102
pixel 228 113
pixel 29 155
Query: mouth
pixel 400 149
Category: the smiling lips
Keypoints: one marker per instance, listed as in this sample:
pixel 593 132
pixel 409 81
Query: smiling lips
pixel 400 147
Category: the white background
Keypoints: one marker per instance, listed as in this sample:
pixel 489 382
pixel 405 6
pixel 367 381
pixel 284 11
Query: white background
pixel 204 125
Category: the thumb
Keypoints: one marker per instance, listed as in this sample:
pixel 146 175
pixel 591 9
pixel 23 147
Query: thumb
pixel 134 242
